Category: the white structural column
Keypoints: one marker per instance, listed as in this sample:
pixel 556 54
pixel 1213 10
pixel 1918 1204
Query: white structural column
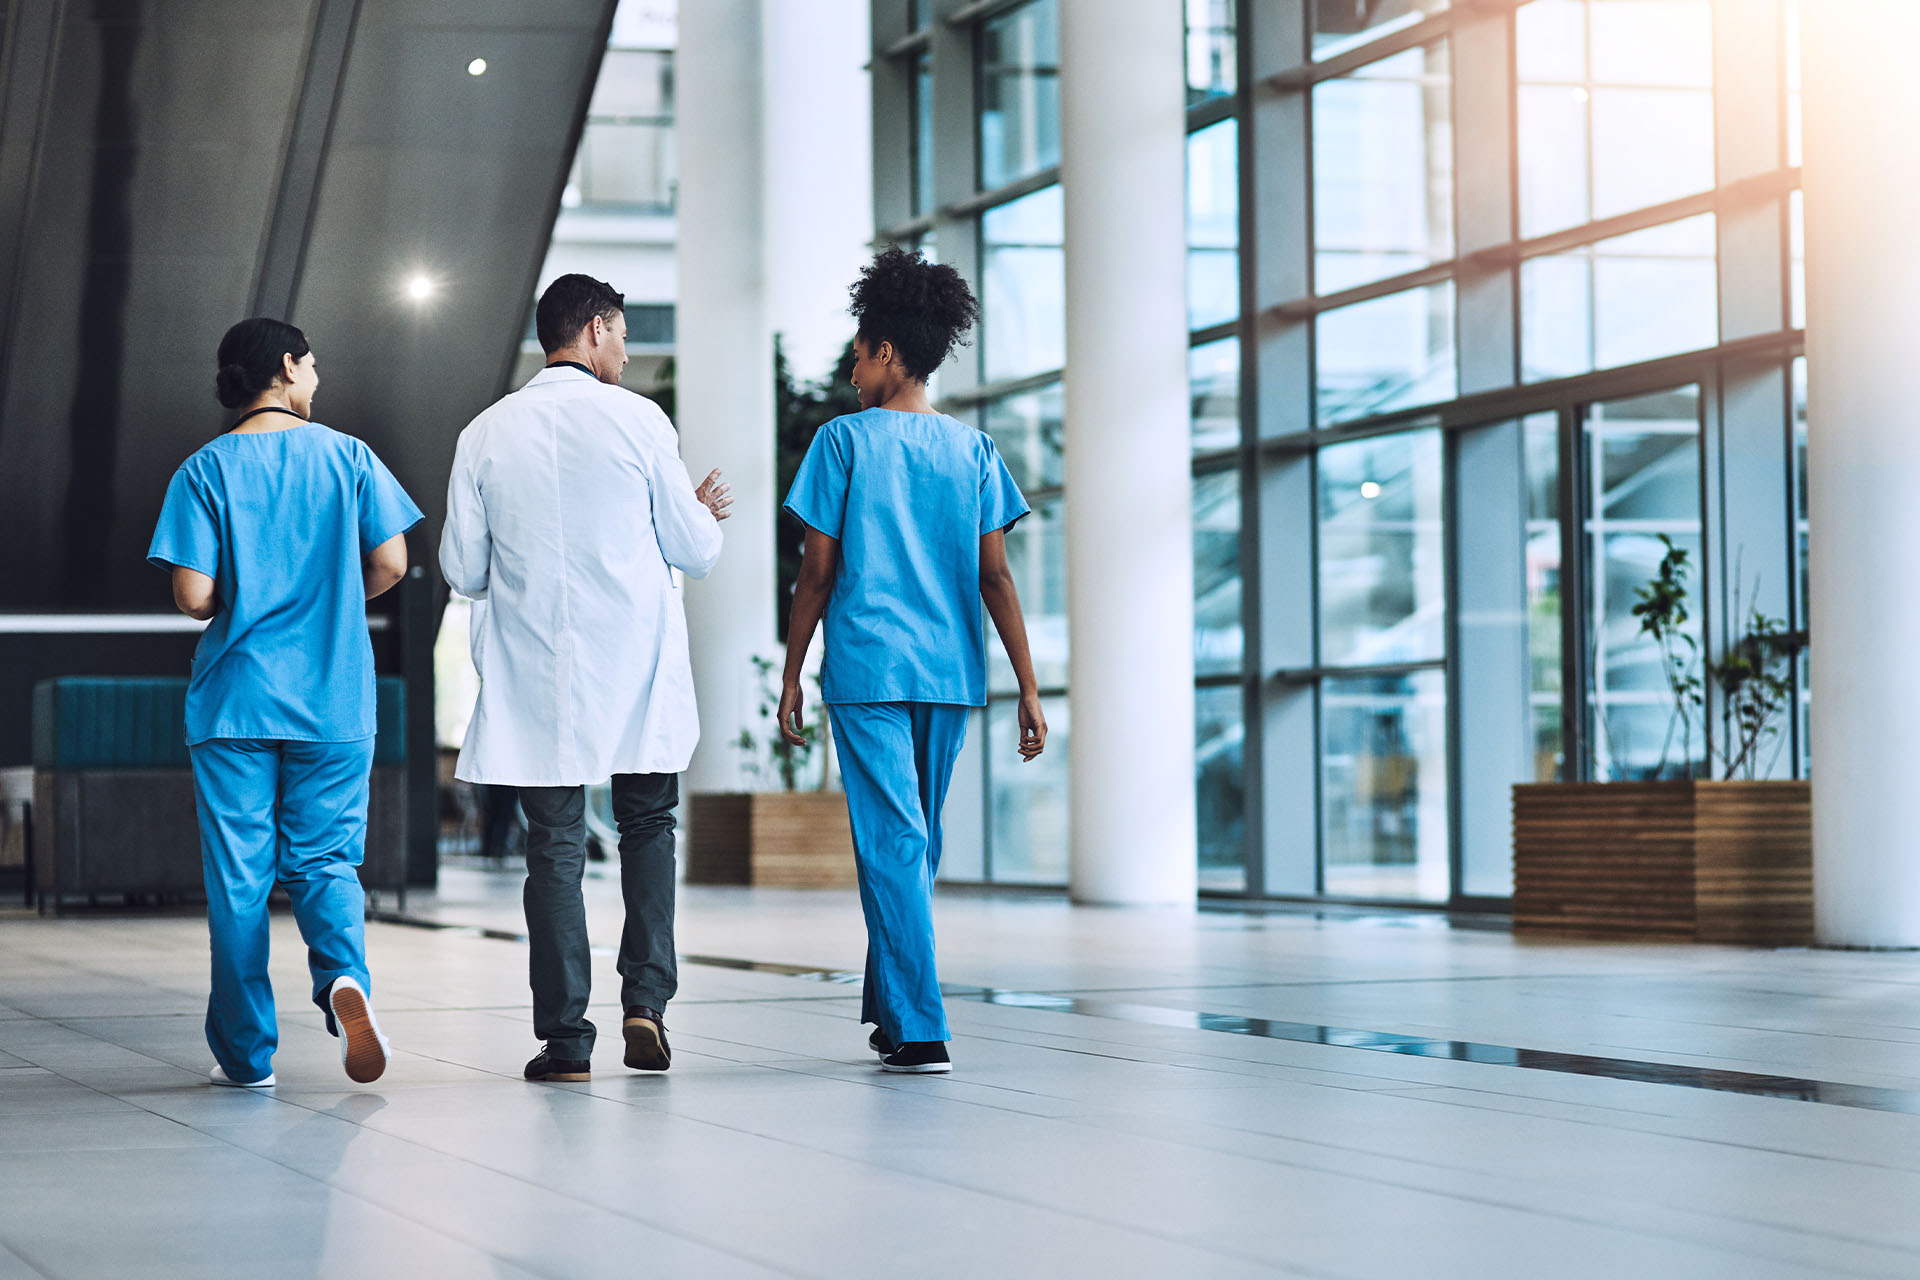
pixel 1863 312
pixel 819 174
pixel 724 364
pixel 1129 501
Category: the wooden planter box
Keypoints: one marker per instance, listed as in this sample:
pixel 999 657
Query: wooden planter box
pixel 1692 861
pixel 786 839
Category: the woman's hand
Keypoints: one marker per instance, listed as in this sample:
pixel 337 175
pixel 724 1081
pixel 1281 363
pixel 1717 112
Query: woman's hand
pixel 791 726
pixel 1033 727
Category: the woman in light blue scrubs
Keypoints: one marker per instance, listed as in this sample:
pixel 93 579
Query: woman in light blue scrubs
pixel 277 533
pixel 906 512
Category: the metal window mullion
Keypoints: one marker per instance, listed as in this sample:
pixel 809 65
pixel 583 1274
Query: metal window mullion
pixel 1253 790
pixel 1575 734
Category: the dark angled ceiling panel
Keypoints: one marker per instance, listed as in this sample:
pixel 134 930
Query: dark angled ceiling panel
pixel 455 177
pixel 165 163
pixel 151 171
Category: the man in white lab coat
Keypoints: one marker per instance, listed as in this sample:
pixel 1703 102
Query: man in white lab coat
pixel 567 511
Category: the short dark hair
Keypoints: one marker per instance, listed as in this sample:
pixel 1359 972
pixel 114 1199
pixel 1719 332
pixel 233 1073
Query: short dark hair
pixel 923 308
pixel 569 305
pixel 249 358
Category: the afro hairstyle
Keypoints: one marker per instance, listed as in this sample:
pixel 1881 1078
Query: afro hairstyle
pixel 923 308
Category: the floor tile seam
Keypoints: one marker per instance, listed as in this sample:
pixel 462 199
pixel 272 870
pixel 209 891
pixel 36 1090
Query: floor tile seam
pixel 903 1085
pixel 1712 1061
pixel 1051 1048
pixel 1412 1080
pixel 227 1142
pixel 918 1176
pixel 1314 982
pixel 1489 1201
pixel 1761 1084
pixel 828 1154
pixel 391 1011
pixel 1792 1031
pixel 13 1248
pixel 1646 1116
pixel 333 1185
pixel 1006 1037
pixel 1001 996
pixel 1704 1215
pixel 138 1053
pixel 1083 1121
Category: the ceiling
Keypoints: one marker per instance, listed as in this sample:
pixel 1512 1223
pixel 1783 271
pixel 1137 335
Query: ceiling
pixel 170 166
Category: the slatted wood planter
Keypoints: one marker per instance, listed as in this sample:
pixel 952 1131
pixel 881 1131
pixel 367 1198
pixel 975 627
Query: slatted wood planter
pixel 784 839
pixel 1701 861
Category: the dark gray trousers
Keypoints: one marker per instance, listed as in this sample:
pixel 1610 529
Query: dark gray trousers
pixel 561 969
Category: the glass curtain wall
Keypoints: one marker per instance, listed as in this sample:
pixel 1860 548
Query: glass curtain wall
pixel 626 158
pixel 1462 364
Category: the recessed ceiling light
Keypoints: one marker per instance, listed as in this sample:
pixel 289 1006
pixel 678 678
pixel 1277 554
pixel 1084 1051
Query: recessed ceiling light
pixel 419 288
pixel 478 67
pixel 1370 490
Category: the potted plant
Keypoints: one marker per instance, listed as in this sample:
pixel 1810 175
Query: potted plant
pixel 791 829
pixel 1727 859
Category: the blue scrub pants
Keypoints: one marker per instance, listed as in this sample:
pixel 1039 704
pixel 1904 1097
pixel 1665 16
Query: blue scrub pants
pixel 896 759
pixel 295 812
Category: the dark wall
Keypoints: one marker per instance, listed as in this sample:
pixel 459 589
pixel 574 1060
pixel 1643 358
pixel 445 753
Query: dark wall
pixel 157 141
pixel 170 166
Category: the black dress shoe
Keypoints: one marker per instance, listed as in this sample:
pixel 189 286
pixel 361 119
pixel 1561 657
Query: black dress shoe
pixel 918 1057
pixel 880 1043
pixel 568 1070
pixel 646 1035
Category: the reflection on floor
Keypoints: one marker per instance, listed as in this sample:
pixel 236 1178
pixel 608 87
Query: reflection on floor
pixel 1137 1093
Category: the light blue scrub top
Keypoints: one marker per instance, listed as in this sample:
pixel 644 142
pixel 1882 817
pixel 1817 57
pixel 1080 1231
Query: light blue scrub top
pixel 909 496
pixel 280 520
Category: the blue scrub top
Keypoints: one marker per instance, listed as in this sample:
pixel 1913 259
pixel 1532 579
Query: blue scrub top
pixel 909 496
pixel 281 520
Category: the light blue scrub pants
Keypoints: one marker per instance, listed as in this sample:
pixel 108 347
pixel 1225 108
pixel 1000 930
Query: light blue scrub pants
pixel 896 759
pixel 295 812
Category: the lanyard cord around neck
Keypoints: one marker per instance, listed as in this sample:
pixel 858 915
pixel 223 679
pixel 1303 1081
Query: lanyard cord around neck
pixel 272 408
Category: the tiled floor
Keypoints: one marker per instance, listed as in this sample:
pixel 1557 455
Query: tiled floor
pixel 1113 1137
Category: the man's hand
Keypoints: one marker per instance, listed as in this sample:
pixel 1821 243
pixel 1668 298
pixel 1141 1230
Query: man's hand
pixel 716 495
pixel 791 726
pixel 1033 727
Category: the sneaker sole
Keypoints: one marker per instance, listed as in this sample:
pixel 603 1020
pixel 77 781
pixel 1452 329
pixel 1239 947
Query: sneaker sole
pixel 645 1052
pixel 366 1058
pixel 563 1077
pixel 924 1069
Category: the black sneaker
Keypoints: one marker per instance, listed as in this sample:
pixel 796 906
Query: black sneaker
pixel 646 1035
pixel 920 1057
pixel 880 1043
pixel 562 1070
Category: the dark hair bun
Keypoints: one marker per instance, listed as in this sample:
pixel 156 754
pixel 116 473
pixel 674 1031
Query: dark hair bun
pixel 231 386
pixel 923 308
pixel 250 358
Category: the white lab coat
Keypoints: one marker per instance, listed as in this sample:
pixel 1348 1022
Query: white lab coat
pixel 567 504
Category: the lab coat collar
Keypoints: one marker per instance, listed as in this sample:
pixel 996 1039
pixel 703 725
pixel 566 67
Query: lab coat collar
pixel 559 373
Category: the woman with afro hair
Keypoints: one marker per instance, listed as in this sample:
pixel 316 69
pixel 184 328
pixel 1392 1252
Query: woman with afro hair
pixel 906 512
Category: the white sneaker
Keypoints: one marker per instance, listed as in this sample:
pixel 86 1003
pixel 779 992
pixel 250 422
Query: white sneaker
pixel 363 1050
pixel 219 1076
